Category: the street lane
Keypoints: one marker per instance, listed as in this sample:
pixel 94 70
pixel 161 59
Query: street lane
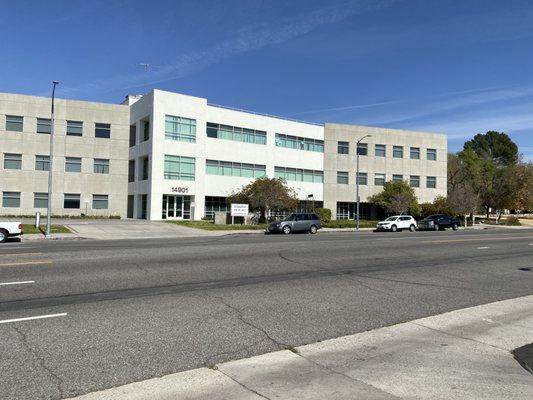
pixel 138 309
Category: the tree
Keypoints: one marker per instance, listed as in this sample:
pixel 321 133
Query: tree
pixel 265 194
pixel 491 161
pixel 397 197
pixel 462 198
pixel 495 146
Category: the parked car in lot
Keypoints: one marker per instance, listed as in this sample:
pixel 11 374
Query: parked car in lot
pixel 297 222
pixel 9 229
pixel 397 223
pixel 438 222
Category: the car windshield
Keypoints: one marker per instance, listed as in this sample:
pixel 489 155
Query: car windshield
pixel 433 217
pixel 391 219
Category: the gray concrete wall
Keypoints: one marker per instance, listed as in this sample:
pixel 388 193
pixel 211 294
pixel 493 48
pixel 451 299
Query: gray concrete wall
pixel 88 147
pixel 333 162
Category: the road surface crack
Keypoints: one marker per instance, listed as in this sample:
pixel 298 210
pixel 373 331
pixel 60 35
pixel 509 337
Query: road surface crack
pixel 40 361
pixel 237 313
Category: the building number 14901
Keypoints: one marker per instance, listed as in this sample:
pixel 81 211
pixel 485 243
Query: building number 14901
pixel 180 190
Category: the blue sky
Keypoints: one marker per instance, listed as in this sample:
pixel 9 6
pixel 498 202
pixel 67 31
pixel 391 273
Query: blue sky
pixel 457 67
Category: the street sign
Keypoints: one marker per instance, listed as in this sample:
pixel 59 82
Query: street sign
pixel 239 210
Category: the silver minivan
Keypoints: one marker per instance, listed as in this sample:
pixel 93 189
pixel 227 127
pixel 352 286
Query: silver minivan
pixel 297 222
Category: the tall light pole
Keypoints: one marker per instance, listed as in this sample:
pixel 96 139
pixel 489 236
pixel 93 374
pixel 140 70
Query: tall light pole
pixel 357 179
pixel 51 166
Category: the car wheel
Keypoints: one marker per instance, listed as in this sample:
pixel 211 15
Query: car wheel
pixel 313 229
pixel 3 235
pixel 412 228
pixel 455 227
pixel 286 229
pixel 436 227
pixel 393 228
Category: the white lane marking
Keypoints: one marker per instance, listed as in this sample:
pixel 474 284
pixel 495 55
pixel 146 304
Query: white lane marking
pixel 15 283
pixel 531 244
pixel 483 248
pixel 25 263
pixel 7 321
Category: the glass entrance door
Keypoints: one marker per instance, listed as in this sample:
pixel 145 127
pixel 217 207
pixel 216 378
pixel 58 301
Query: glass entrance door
pixel 176 207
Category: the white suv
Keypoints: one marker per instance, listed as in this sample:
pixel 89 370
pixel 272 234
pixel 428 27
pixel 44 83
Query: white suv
pixel 397 223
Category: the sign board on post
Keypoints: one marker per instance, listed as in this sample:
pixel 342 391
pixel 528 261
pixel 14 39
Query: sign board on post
pixel 238 210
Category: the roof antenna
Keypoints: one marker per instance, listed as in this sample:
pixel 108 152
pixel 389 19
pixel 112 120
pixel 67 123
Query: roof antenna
pixel 146 66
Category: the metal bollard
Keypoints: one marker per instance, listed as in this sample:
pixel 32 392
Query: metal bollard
pixel 37 220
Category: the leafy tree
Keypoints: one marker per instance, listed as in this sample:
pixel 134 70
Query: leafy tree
pixel 495 146
pixel 462 198
pixel 397 197
pixel 265 194
pixel 491 161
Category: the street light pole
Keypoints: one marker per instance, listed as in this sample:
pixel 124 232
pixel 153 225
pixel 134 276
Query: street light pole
pixel 51 166
pixel 357 180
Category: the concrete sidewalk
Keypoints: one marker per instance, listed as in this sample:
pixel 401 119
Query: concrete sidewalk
pixel 462 354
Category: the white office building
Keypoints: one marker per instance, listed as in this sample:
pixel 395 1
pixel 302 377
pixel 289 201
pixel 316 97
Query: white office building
pixel 186 156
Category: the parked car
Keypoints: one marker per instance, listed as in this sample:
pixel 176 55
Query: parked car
pixel 9 229
pixel 397 223
pixel 297 222
pixel 437 222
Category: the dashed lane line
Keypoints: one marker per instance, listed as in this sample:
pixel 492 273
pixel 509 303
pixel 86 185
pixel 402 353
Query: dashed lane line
pixel 483 248
pixel 474 239
pixel 16 283
pixel 8 321
pixel 14 264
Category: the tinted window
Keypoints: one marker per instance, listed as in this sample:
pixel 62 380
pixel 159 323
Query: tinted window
pixel 102 130
pixel 314 217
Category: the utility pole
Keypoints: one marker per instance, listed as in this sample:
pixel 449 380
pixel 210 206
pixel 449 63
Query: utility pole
pixel 51 167
pixel 357 179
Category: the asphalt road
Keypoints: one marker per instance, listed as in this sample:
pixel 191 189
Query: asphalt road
pixel 124 311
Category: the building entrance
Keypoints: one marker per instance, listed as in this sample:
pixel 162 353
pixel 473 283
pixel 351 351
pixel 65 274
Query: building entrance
pixel 176 207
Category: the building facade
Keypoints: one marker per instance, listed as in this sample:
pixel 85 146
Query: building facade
pixel 164 156
pixel 90 157
pixel 419 158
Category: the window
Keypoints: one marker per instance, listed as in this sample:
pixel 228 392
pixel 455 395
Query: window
pixel 415 153
pixel 431 182
pixel 215 204
pixel 397 178
pixel 102 130
pixel 101 166
pixel 379 179
pixel 362 149
pixel 40 200
pixel 380 150
pixel 133 135
pixel 362 178
pixel 235 133
pixel 146 130
pixel 72 164
pixel 431 154
pixel 179 128
pixel 131 171
pixel 342 177
pixel 74 128
pixel 414 181
pixel 12 161
pixel 14 123
pixel 100 201
pixel 179 167
pixel 397 151
pixel 71 200
pixel 228 168
pixel 44 125
pixel 145 168
pixel 42 163
pixel 299 175
pixel 11 199
pixel 343 148
pixel 299 143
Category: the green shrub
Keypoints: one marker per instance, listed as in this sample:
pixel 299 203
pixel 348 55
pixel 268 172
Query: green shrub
pixel 324 214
